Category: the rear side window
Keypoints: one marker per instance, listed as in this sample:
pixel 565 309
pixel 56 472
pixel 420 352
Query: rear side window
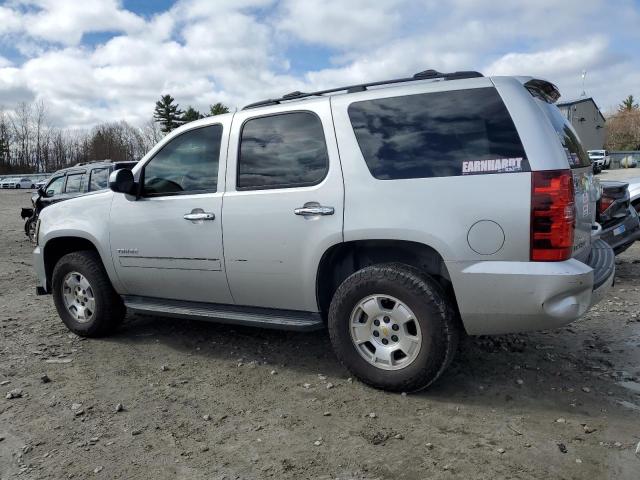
pixel 99 179
pixel 281 151
pixel 440 134
pixel 576 154
pixel 76 183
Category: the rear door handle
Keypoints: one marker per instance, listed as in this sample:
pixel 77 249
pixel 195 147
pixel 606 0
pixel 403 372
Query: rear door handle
pixel 313 208
pixel 198 215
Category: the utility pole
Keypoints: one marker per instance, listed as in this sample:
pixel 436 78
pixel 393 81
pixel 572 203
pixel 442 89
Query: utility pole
pixel 584 75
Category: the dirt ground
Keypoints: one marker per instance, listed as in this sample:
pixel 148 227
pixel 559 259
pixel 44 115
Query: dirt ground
pixel 207 401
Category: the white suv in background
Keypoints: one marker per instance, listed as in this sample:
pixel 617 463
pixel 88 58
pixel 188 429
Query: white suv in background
pixel 396 213
pixel 600 158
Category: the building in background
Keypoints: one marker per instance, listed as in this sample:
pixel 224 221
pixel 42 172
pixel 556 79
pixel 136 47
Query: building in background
pixel 587 119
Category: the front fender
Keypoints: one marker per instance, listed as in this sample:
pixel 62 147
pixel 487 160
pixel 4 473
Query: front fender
pixel 84 218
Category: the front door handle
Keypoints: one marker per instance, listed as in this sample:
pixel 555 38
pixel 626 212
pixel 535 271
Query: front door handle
pixel 312 209
pixel 198 215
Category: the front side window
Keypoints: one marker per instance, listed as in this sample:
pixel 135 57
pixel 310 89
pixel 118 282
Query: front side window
pixel 187 164
pixel 55 186
pixel 76 183
pixel 281 151
pixel 439 134
pixel 99 179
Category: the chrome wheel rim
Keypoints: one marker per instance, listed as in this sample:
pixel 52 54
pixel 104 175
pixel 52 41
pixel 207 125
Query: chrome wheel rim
pixel 385 332
pixel 78 297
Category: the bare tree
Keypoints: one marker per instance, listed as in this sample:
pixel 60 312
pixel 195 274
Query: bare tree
pixel 41 134
pixel 623 131
pixel 151 134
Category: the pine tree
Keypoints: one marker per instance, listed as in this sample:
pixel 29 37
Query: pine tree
pixel 628 105
pixel 191 114
pixel 217 109
pixel 167 113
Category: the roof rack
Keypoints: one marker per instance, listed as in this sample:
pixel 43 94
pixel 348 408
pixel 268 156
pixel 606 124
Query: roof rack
pixel 84 164
pixel 424 75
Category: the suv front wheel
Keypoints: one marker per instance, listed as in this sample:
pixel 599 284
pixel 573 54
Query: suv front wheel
pixel 393 327
pixel 86 302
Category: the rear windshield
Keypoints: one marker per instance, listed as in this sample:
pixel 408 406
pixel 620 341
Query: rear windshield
pixel 439 134
pixel 576 154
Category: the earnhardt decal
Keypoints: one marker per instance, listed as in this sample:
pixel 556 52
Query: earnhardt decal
pixel 498 165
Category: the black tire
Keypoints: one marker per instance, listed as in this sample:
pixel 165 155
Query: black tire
pixel 432 307
pixel 33 186
pixel 17 185
pixel 109 308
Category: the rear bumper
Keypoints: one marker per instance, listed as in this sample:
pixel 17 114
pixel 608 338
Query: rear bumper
pixel 512 297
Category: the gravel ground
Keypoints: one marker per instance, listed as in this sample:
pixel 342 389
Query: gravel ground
pixel 206 401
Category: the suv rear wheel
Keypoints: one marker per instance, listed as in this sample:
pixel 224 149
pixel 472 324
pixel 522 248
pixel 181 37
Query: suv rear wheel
pixel 86 302
pixel 393 327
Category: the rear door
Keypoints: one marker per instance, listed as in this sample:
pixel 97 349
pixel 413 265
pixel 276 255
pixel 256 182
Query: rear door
pixel 584 186
pixel 283 207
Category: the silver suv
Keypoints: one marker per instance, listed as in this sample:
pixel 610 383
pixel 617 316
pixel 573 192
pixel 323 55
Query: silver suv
pixel 398 214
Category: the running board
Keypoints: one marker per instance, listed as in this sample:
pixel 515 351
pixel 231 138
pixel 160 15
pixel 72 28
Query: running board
pixel 250 316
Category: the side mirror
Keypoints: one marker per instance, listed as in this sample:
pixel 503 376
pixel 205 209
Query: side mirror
pixel 122 181
pixel 41 192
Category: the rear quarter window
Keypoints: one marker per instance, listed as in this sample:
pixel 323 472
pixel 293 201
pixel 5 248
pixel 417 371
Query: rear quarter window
pixel 576 154
pixel 440 134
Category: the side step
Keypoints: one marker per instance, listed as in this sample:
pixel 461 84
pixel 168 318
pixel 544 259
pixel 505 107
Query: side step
pixel 250 316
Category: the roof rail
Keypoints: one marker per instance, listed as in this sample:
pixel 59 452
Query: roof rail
pixel 424 75
pixel 84 164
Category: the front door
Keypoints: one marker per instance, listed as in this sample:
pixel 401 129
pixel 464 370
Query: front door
pixel 283 206
pixel 168 242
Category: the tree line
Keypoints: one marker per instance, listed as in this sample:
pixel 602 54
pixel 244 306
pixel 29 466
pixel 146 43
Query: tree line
pixel 30 144
pixel 623 127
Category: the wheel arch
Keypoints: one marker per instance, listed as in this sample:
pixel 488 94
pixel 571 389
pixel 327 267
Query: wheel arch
pixel 55 248
pixel 343 259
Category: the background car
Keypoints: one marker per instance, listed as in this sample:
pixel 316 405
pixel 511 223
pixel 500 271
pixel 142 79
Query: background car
pixel 618 217
pixel 634 192
pixel 68 183
pixel 17 182
pixel 600 158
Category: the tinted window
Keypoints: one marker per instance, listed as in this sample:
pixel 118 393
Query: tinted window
pixel 76 183
pixel 55 186
pixel 576 155
pixel 188 163
pixel 99 179
pixel 437 134
pixel 286 150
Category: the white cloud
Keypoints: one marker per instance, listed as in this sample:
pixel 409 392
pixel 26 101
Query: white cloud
pixel 65 21
pixel 339 23
pixel 562 60
pixel 204 51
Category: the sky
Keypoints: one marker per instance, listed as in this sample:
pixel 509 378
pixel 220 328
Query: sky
pixel 92 61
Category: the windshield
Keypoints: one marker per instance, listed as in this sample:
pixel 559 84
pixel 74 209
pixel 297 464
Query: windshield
pixel 576 154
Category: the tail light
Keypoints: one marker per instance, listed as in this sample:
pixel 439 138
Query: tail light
pixel 552 215
pixel 604 203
